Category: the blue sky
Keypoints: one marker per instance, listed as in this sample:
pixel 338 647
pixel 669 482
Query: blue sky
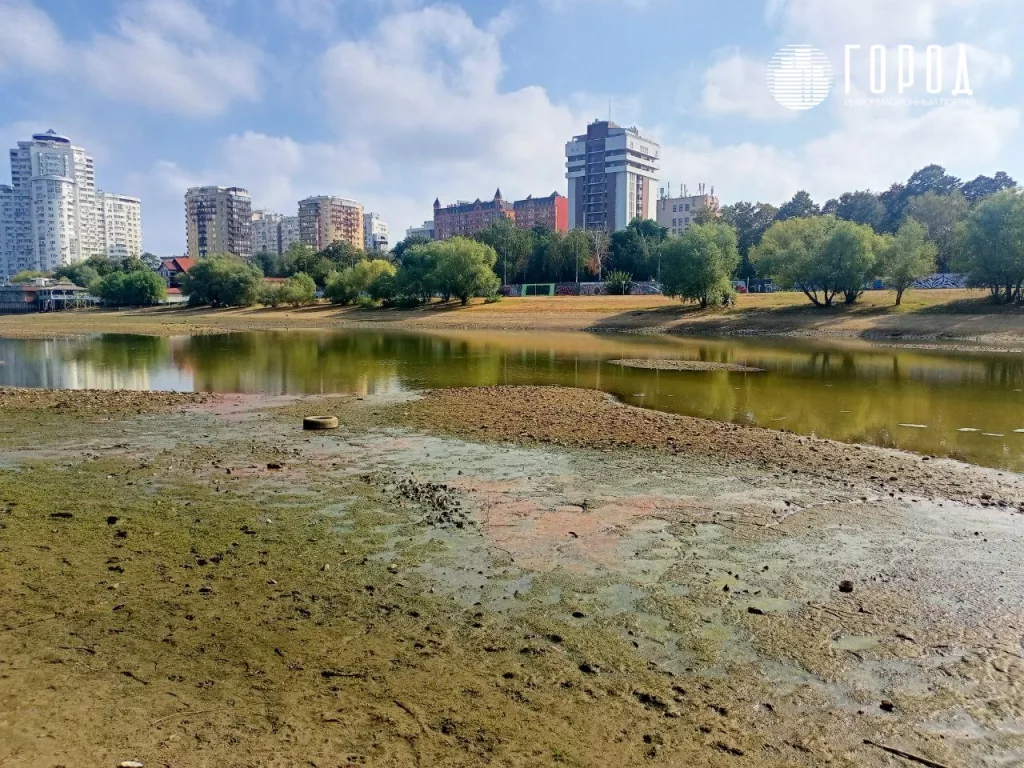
pixel 396 102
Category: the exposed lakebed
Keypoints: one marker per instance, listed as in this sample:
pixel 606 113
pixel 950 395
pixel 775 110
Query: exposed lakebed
pixel 962 404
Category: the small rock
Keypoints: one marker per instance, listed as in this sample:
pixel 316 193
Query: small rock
pixel 754 610
pixel 393 568
pixel 846 586
pixel 130 764
pixel 589 669
pixel 112 520
pixel 275 465
pixel 887 706
pixel 326 567
pixel 579 615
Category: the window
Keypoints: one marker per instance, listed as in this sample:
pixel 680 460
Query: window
pixel 673 209
pixel 687 206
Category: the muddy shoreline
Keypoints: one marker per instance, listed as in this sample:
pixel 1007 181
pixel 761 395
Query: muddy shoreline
pixel 194 580
pixel 954 318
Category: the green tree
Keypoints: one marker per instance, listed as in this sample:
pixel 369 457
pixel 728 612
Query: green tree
pixel 576 246
pixel 299 290
pixel 941 215
pixel 906 256
pixel 801 205
pixel 131 289
pixel 750 221
pixel 399 249
pixel 464 268
pixel 851 257
pixel 346 286
pixel 222 280
pixel 28 275
pixel 272 294
pixel 414 282
pixel 698 264
pixel 270 264
pixel 512 244
pixel 862 207
pixel 342 254
pixel 991 245
pixel 792 254
pixel 80 274
pixel 983 186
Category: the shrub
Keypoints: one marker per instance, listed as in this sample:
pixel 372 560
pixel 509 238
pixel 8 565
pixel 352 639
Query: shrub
pixel 299 290
pixel 464 268
pixel 991 245
pixel 619 283
pixel 131 289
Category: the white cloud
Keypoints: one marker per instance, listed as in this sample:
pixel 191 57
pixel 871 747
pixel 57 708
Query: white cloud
pixel 166 55
pixel 28 38
pixel 735 85
pixel 870 149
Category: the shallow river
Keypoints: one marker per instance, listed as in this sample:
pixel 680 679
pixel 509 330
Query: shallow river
pixel 962 404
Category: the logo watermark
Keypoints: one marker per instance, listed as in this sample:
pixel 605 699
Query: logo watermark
pixel 800 77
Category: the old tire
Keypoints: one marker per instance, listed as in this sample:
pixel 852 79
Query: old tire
pixel 320 422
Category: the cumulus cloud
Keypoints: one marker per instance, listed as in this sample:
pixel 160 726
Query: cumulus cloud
pixel 166 55
pixel 28 38
pixel 163 54
pixel 735 85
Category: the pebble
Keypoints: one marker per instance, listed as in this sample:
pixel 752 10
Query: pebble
pixel 846 586
pixel 130 764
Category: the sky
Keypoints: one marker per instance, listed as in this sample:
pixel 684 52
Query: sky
pixel 397 102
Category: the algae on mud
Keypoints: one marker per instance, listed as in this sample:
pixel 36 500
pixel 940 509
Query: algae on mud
pixel 197 608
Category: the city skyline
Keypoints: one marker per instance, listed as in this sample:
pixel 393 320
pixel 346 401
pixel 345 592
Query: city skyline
pixel 453 98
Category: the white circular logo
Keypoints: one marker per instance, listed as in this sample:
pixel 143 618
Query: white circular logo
pixel 800 76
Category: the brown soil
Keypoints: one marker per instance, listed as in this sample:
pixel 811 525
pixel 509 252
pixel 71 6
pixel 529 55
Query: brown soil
pixel 945 315
pixel 590 419
pixel 655 364
pixel 205 584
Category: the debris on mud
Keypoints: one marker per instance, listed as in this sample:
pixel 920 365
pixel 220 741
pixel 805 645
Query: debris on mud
pixel 658 364
pixel 442 503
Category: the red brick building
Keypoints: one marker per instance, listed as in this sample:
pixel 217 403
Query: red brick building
pixel 469 218
pixel 551 211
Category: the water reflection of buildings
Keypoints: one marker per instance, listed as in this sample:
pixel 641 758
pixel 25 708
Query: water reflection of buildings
pixel 51 364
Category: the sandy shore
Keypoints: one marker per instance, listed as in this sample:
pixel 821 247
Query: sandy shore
pixel 194 580
pixel 927 316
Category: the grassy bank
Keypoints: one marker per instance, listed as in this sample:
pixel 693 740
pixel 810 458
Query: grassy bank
pixel 958 315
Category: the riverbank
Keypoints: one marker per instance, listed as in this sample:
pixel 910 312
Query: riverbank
pixel 926 316
pixel 510 576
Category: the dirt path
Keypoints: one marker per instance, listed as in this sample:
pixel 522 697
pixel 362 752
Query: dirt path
pixel 938 315
pixel 196 581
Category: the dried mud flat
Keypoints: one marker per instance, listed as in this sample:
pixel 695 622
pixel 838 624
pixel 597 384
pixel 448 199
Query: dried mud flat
pixel 581 583
pixel 658 364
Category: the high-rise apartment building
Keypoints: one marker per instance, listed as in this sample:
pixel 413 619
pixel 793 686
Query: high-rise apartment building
pixel 49 209
pixel 324 220
pixel 466 219
pixel 677 213
pixel 266 232
pixel 218 220
pixel 119 225
pixel 375 232
pixel 288 232
pixel 551 212
pixel 612 173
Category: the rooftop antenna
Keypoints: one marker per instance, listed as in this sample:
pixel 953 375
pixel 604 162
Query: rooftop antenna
pixel 609 110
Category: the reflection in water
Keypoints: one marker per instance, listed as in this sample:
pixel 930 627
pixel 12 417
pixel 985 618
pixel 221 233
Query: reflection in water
pixel 849 392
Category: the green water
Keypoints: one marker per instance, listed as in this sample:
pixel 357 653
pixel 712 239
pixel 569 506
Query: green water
pixel 918 400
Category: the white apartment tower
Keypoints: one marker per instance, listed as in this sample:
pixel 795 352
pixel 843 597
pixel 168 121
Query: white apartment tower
pixel 612 173
pixel 375 232
pixel 289 232
pixel 218 220
pixel 52 214
pixel 49 210
pixel 119 224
